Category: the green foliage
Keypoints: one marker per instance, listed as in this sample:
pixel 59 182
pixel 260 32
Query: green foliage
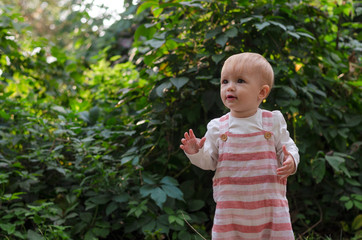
pixel 89 147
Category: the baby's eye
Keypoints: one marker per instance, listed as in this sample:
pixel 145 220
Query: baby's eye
pixel 241 80
pixel 225 81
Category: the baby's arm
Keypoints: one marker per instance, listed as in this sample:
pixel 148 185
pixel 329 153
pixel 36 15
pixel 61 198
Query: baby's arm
pixel 191 144
pixel 288 167
pixel 287 151
pixel 203 152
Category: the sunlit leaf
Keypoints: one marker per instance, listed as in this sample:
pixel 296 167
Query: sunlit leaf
pixel 261 26
pixel 293 34
pixel 160 90
pixel 179 82
pixel 278 24
pixel 145 5
pixel 245 20
pixel 357 222
pixel 155 43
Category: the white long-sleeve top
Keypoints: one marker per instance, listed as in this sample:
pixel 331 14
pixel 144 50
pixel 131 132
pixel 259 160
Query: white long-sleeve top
pixel 207 157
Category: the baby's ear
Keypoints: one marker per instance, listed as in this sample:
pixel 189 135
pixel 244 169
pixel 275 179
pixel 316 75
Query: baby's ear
pixel 264 92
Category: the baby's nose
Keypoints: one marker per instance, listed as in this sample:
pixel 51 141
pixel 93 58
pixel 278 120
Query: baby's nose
pixel 231 86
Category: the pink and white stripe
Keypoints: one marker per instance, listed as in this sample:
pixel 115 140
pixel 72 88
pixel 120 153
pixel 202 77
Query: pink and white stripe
pixel 250 197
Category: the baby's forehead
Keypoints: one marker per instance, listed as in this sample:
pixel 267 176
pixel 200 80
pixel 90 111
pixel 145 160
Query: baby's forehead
pixel 237 65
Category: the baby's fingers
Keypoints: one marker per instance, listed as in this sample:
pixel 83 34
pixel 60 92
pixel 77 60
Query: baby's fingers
pixel 202 142
pixel 191 132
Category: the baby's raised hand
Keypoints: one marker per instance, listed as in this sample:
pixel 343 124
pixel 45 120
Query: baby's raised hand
pixel 288 167
pixel 191 144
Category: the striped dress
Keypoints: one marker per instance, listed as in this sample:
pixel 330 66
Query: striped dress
pixel 250 198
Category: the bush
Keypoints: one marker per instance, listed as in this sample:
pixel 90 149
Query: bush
pixel 89 150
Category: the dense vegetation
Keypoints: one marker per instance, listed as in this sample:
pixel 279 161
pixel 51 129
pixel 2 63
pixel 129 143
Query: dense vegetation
pixel 91 122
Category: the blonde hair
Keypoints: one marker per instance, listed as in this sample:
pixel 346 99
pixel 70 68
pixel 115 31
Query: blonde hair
pixel 251 63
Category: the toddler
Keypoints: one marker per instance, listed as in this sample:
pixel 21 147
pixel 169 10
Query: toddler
pixel 251 153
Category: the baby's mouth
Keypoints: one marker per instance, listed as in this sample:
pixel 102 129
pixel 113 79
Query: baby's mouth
pixel 230 97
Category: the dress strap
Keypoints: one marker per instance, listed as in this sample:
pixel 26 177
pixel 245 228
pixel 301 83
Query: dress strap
pixel 267 118
pixel 224 127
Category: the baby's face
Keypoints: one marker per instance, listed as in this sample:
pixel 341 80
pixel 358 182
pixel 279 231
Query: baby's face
pixel 240 90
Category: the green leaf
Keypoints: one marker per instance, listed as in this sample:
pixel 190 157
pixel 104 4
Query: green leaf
pixel 191 4
pixel 222 39
pixel 4 115
pixel 160 90
pixel 345 171
pixel 100 232
pixel 357 197
pixel 90 236
pixel 60 109
pixel 172 219
pixel 358 204
pixel 344 198
pixel 157 11
pixel 8 227
pixel 356 84
pixel 149 227
pixel 357 223
pixel 353 182
pixel 184 235
pixel 127 159
pixel 261 26
pixel 159 196
pixel 112 206
pixel 195 205
pixel 213 33
pixel 293 34
pixel 348 205
pixel 31 235
pixel 146 5
pixel 306 35
pixel 278 24
pixel 173 192
pixel 335 162
pixel 100 199
pixel 94 114
pixel 146 190
pixel 148 178
pixel 232 32
pixel 179 82
pixel 122 197
pixel 290 91
pixel 155 43
pixel 245 20
pixel 318 169
pixel 218 58
pixel 169 181
pixel 169 211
